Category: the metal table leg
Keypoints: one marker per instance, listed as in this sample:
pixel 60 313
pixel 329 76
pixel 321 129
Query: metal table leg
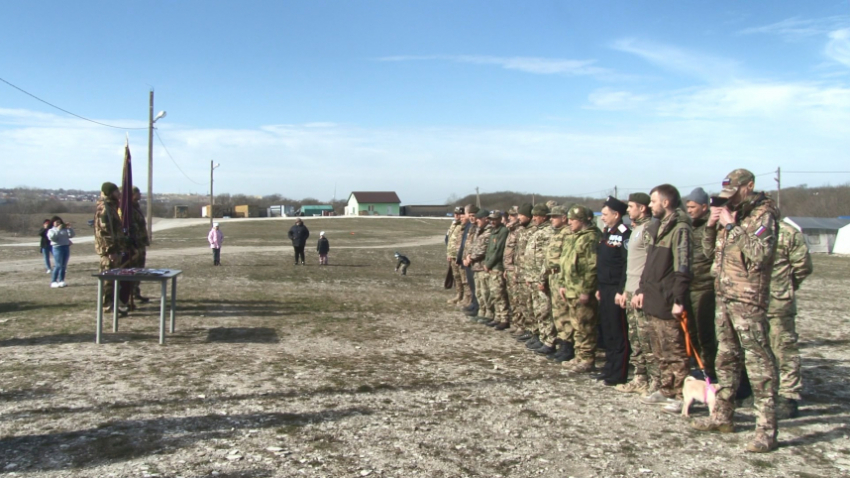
pixel 115 303
pixel 99 326
pixel 163 288
pixel 173 300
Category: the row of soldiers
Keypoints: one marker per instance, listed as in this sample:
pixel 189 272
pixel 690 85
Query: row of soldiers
pixel 118 247
pixel 719 274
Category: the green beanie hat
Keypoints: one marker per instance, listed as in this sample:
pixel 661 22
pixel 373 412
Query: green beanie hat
pixel 107 188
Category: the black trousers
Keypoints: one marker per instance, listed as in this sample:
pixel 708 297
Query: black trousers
pixel 216 256
pixel 299 252
pixel 615 329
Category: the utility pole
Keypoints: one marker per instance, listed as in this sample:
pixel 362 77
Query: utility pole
pixel 615 191
pixel 212 197
pixel 477 197
pixel 778 180
pixel 150 170
pixel 151 121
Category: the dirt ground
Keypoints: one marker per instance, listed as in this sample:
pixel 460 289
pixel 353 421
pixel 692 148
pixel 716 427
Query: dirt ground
pixel 351 370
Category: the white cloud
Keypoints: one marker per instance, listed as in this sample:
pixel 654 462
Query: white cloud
pixel 679 60
pixel 838 47
pixel 796 29
pixel 615 100
pixel 536 65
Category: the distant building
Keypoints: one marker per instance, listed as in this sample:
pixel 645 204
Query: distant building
pixel 218 211
pixel 246 210
pixel 820 232
pixel 424 210
pixel 181 211
pixel 373 203
pixel 280 210
pixel 316 210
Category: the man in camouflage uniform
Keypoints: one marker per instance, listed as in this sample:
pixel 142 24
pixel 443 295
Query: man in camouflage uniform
pixel 475 260
pixel 452 243
pixel 742 237
pixel 110 243
pixel 521 314
pixel 139 231
pixel 551 274
pixel 469 304
pixel 533 264
pixel 702 309
pixel 494 267
pixel 578 286
pixel 790 267
pixel 645 379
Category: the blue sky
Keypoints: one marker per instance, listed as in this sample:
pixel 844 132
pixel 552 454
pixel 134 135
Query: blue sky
pixel 426 98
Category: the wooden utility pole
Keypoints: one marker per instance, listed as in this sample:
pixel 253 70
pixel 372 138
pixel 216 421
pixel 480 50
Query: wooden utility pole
pixel 778 180
pixel 477 197
pixel 150 170
pixel 212 197
pixel 615 191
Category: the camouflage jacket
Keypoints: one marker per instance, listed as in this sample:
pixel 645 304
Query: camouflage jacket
pixel 551 271
pixel 790 267
pixel 534 257
pixel 478 247
pixel 109 235
pixel 578 262
pixel 522 235
pixel 453 239
pixel 701 267
pixel 140 227
pixel 666 276
pixel 496 248
pixel 508 257
pixel 743 256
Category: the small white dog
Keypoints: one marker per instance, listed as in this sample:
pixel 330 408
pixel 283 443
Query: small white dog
pixel 697 391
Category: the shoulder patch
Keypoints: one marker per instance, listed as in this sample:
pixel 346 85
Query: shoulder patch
pixel 622 228
pixel 761 230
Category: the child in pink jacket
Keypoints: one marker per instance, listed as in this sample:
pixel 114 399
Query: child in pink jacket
pixel 216 238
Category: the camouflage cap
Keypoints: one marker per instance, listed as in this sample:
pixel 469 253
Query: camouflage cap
pixel 558 211
pixel 471 209
pixel 525 209
pixel 540 210
pixel 734 180
pixel 495 214
pixel 107 188
pixel 513 211
pixel 580 213
pixel 458 210
pixel 482 214
pixel 639 198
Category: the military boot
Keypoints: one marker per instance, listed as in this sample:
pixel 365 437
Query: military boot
pixel 503 326
pixel 453 300
pixel 533 342
pixel 786 408
pixel 762 443
pixel 639 384
pixel 710 424
pixel 580 366
pixel 524 336
pixel 544 349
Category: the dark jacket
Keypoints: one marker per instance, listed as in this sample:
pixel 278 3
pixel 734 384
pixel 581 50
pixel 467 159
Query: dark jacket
pixel 496 248
pixel 45 242
pixel 402 260
pixel 667 274
pixel 324 246
pixel 298 234
pixel 611 255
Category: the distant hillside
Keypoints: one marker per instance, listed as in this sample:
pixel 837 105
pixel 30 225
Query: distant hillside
pixel 830 201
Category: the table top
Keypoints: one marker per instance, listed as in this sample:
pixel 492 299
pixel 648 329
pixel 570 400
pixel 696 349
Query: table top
pixel 138 275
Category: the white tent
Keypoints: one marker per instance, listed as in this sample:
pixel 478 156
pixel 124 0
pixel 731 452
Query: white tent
pixel 820 232
pixel 842 241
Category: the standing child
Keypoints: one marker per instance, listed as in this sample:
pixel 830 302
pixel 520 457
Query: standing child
pixel 403 263
pixel 323 248
pixel 60 242
pixel 46 250
pixel 216 238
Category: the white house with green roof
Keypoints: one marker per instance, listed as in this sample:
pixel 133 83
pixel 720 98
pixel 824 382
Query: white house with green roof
pixel 373 203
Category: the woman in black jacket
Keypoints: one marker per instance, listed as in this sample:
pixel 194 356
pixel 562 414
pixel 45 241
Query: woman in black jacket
pixel 45 243
pixel 298 234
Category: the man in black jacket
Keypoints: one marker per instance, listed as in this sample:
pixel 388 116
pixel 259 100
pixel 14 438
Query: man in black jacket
pixel 298 234
pixel 610 265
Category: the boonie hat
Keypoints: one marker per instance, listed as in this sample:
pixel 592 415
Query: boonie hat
pixel 734 180
pixel 471 209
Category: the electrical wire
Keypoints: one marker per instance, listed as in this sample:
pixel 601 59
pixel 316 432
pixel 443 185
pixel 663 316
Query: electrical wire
pixel 64 110
pixel 172 159
pixel 815 172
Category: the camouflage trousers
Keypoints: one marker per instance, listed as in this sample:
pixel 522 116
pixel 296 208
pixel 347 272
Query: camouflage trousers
pixel 125 289
pixel 742 334
pixel 542 313
pixel 668 347
pixel 482 293
pixel 642 358
pixel 561 315
pixel 701 327
pixel 467 288
pixel 516 299
pixel 783 342
pixel 499 296
pixel 458 274
pixel 585 324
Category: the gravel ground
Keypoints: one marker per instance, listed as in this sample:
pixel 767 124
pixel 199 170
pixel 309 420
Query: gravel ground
pixel 351 371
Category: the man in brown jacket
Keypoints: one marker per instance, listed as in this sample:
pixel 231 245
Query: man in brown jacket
pixel 742 236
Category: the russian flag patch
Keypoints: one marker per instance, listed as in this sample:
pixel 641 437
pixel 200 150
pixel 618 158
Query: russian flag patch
pixel 727 182
pixel 760 231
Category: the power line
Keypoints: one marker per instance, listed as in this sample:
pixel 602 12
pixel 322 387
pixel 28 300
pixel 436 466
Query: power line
pixel 172 159
pixel 64 110
pixel 817 172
